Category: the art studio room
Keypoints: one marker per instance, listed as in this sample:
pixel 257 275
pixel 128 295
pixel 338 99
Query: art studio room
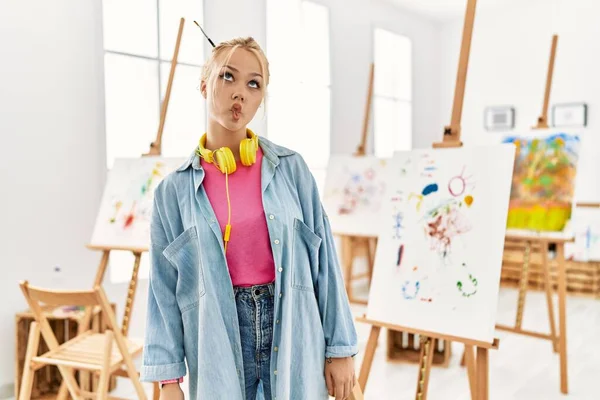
pixel 300 199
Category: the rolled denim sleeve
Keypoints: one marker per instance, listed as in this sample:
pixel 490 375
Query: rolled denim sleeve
pixel 163 356
pixel 338 322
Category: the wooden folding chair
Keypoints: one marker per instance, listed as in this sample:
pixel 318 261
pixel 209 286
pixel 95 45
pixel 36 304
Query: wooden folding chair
pixel 88 351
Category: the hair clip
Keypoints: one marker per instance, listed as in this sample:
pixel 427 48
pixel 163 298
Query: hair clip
pixel 210 41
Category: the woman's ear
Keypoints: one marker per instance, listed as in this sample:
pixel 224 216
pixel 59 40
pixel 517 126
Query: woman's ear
pixel 203 88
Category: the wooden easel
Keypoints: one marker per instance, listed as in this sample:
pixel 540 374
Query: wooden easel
pixel 558 339
pixel 155 150
pixel 353 245
pixel 478 368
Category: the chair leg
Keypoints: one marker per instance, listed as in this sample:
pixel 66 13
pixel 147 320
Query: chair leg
pixel 63 392
pixel 28 373
pixel 105 373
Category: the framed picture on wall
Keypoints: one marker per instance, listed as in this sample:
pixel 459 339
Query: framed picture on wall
pixel 569 114
pixel 499 118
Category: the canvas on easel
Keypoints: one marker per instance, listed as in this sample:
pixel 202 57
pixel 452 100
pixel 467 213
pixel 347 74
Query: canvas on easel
pixel 439 257
pixel 126 207
pixel 543 180
pixel 585 225
pixel 353 193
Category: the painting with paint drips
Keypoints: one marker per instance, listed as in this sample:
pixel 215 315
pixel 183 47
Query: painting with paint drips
pixel 543 181
pixel 439 253
pixel 353 194
pixel 126 208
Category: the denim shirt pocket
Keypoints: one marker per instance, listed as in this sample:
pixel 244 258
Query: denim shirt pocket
pixel 184 255
pixel 305 256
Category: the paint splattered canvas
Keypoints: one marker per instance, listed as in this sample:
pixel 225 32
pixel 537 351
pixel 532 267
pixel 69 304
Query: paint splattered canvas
pixel 126 208
pixel 439 254
pixel 543 180
pixel 353 194
pixel 585 225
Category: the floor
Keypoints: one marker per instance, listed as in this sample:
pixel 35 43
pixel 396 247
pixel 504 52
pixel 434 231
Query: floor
pixel 524 368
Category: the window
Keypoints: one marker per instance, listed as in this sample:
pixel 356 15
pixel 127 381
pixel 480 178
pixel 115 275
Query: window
pixel 392 94
pixel 139 41
pixel 299 95
pixel 137 63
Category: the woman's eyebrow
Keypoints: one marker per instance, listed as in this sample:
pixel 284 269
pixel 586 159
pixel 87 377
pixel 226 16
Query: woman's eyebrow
pixel 236 70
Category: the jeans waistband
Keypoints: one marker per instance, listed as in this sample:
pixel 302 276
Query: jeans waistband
pixel 256 290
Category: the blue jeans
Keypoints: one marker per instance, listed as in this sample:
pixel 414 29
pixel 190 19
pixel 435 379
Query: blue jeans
pixel 255 315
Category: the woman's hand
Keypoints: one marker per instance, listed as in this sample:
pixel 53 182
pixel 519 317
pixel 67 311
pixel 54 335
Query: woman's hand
pixel 339 375
pixel 171 391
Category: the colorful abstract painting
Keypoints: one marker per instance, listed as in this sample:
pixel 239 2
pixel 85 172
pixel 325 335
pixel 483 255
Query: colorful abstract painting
pixel 543 180
pixel 126 208
pixel 439 254
pixel 585 225
pixel 353 194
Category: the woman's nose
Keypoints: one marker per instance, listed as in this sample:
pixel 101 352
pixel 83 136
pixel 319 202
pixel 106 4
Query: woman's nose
pixel 238 96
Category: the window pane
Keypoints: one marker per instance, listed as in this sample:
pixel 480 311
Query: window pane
pixel 186 113
pixel 308 136
pixel 130 27
pixel 192 39
pixel 393 65
pixel 131 105
pixel 393 126
pixel 315 43
pixel 283 39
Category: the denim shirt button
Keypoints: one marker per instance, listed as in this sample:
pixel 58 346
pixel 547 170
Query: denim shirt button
pixel 276 241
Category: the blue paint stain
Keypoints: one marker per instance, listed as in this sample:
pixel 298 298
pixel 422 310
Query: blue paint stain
pixel 431 188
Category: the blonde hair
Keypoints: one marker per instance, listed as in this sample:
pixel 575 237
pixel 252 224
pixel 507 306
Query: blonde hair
pixel 230 46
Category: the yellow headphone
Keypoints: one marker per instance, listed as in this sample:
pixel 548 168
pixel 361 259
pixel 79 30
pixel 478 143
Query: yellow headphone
pixel 225 162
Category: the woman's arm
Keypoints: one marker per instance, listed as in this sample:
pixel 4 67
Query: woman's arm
pixel 163 356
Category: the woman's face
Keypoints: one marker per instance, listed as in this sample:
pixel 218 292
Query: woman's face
pixel 238 92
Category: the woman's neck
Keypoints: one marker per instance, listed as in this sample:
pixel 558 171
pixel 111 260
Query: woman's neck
pixel 218 136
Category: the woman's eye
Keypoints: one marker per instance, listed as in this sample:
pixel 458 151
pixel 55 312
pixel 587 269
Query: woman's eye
pixel 254 84
pixel 227 76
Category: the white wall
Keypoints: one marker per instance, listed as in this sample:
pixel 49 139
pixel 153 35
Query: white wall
pixel 52 159
pixel 52 152
pixel 352 25
pixel 509 61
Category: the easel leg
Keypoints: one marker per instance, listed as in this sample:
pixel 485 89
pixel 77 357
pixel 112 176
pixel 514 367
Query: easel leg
pixel 425 361
pixel 548 284
pixel 365 368
pixel 469 358
pixel 562 316
pixel 347 260
pixel 131 294
pixel 482 374
pixel 523 285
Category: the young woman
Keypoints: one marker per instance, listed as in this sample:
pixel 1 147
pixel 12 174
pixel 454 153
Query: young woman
pixel 245 284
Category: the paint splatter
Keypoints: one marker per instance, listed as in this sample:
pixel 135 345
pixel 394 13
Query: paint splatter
pixel 431 188
pixel 469 200
pixel 400 251
pixel 443 224
pixel 419 197
pixel 459 183
pixel 398 227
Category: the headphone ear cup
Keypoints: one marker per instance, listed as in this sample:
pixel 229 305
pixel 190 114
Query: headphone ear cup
pixel 225 160
pixel 248 149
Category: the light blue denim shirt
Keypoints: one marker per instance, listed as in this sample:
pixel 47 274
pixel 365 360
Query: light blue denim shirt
pixel 192 314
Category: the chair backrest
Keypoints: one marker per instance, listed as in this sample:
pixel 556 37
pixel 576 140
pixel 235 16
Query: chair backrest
pixel 89 298
pixel 62 297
